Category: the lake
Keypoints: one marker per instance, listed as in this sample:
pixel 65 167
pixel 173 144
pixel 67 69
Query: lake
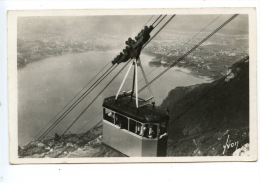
pixel 44 87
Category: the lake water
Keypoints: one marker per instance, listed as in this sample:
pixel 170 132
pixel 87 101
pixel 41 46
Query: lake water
pixel 44 87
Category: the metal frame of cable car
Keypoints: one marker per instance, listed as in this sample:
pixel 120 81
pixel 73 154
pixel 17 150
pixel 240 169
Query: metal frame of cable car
pixel 134 131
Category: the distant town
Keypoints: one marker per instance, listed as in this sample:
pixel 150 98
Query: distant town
pixel 211 59
pixel 34 50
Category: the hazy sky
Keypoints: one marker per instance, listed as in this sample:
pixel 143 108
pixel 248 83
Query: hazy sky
pixel 125 26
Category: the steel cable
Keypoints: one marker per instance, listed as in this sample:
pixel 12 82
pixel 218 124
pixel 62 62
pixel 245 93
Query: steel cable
pixel 38 133
pixel 149 20
pixel 93 119
pixel 191 50
pixel 220 80
pixel 188 41
pixel 75 103
pixel 158 31
pixel 156 20
pixel 96 97
pixel 160 21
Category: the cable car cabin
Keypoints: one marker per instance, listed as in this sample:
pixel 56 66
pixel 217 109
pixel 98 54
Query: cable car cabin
pixel 134 131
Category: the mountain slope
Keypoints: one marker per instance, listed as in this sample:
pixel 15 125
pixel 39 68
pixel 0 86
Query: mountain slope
pixel 204 114
pixel 70 146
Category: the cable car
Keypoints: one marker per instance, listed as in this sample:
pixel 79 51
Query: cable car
pixel 134 126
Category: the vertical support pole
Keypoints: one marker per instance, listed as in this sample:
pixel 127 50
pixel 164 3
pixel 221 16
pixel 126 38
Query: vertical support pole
pixel 114 118
pixel 142 130
pixel 133 86
pixel 136 85
pixel 158 131
pixel 123 81
pixel 128 121
pixel 104 113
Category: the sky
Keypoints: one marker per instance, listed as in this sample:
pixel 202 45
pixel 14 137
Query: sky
pixel 124 26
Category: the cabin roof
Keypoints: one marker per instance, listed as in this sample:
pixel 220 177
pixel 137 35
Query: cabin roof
pixel 125 106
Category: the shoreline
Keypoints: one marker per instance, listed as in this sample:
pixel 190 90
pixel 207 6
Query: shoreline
pixel 205 68
pixel 178 67
pixel 160 57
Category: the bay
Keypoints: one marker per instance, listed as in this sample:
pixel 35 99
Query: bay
pixel 46 86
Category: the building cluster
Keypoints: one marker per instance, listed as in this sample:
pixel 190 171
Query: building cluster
pixel 210 59
pixel 30 51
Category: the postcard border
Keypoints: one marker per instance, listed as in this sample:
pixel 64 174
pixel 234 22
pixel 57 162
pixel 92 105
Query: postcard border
pixel 12 83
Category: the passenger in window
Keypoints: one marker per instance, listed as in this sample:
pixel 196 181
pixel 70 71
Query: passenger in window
pixel 111 117
pixel 146 132
pixel 117 121
pixel 162 133
pixel 143 131
pixel 138 128
pixel 151 134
